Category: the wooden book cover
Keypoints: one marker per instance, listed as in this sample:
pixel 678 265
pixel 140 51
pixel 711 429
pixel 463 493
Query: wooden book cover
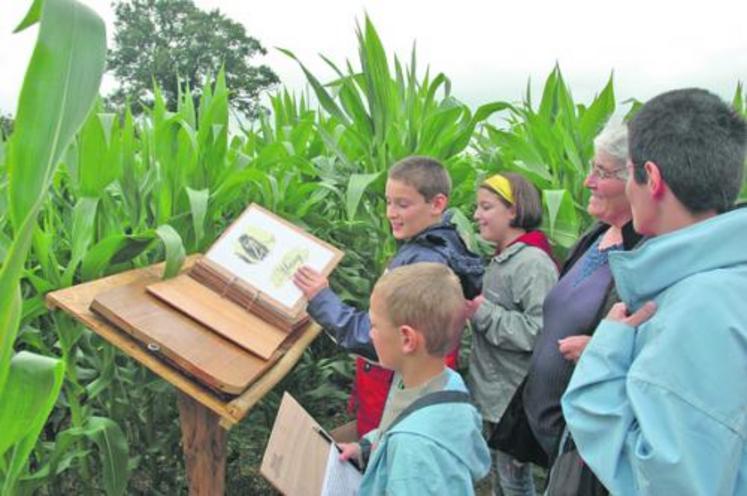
pixel 192 347
pixel 242 288
pixel 224 317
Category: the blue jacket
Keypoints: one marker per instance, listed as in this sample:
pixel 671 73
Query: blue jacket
pixel 439 243
pixel 662 409
pixel 438 449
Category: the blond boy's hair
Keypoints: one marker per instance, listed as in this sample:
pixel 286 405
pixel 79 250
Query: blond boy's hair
pixel 426 175
pixel 428 297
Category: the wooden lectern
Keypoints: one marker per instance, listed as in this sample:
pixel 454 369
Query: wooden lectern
pixel 206 415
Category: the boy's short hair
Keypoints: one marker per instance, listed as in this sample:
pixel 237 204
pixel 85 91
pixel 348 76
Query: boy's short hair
pixel 428 297
pixel 427 175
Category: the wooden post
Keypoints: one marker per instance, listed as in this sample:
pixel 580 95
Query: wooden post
pixel 204 446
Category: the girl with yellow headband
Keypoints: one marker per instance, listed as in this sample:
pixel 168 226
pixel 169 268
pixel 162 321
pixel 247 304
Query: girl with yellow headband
pixel 508 315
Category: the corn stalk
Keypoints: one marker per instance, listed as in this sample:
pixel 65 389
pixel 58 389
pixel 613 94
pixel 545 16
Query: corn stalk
pixel 60 85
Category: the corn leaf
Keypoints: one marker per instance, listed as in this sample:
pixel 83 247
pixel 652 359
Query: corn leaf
pixel 84 215
pixel 357 186
pixel 464 227
pixel 10 311
pixel 100 159
pixel 32 16
pixel 113 452
pixel 114 249
pixel 562 222
pixel 595 117
pixel 198 204
pixel 738 101
pixel 60 85
pixel 174 250
pixel 322 95
pixel 29 394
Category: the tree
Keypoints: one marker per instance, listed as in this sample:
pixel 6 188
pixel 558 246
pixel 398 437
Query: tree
pixel 173 42
pixel 6 125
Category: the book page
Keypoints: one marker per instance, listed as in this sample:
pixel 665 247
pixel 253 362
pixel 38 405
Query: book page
pixel 265 253
pixel 341 478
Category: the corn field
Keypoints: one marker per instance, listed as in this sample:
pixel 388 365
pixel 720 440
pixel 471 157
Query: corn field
pixel 85 193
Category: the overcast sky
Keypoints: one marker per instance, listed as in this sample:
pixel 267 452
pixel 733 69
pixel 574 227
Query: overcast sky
pixel 488 49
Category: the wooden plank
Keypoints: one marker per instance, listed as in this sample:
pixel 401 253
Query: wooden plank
pixel 220 314
pixel 193 347
pixel 293 353
pixel 204 446
pixel 295 459
pixel 76 302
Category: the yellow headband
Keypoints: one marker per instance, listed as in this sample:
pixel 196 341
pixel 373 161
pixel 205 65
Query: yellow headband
pixel 501 186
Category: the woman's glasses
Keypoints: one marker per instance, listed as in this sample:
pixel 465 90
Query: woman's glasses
pixel 600 172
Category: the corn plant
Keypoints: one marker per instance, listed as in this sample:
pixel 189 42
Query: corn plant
pixel 373 116
pixel 61 83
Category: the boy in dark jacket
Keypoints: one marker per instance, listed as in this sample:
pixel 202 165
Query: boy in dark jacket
pixel 417 192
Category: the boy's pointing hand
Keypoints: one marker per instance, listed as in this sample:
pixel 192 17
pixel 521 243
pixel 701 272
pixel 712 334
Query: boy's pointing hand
pixel 309 281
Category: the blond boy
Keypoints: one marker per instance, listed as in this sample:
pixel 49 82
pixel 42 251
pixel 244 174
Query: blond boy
pixel 429 440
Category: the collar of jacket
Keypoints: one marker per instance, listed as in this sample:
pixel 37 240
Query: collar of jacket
pixel 630 240
pixel 509 252
pixel 661 261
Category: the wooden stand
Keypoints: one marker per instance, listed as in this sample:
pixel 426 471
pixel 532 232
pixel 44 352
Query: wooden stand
pixel 204 446
pixel 205 416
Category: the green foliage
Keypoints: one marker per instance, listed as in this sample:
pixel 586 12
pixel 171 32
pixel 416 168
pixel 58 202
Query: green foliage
pixel 6 127
pixel 371 117
pixel 30 391
pixel 60 85
pixel 739 102
pixel 168 41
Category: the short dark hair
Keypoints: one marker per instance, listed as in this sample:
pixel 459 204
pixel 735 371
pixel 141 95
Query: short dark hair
pixel 427 175
pixel 527 201
pixel 697 141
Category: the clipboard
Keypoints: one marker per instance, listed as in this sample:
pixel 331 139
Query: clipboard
pixel 296 458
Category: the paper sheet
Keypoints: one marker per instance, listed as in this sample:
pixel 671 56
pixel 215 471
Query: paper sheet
pixel 265 252
pixel 341 478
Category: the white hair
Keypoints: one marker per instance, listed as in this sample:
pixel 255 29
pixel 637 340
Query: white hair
pixel 613 140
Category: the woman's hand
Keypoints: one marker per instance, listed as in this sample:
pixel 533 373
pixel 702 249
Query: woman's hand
pixel 572 346
pixel 619 313
pixel 309 281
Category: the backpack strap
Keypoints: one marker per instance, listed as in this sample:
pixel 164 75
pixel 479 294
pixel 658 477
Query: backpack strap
pixel 436 398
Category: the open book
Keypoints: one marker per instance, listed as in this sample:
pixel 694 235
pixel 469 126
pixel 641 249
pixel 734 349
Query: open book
pixel 242 287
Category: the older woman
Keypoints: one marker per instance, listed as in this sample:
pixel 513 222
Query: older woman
pixel 585 291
